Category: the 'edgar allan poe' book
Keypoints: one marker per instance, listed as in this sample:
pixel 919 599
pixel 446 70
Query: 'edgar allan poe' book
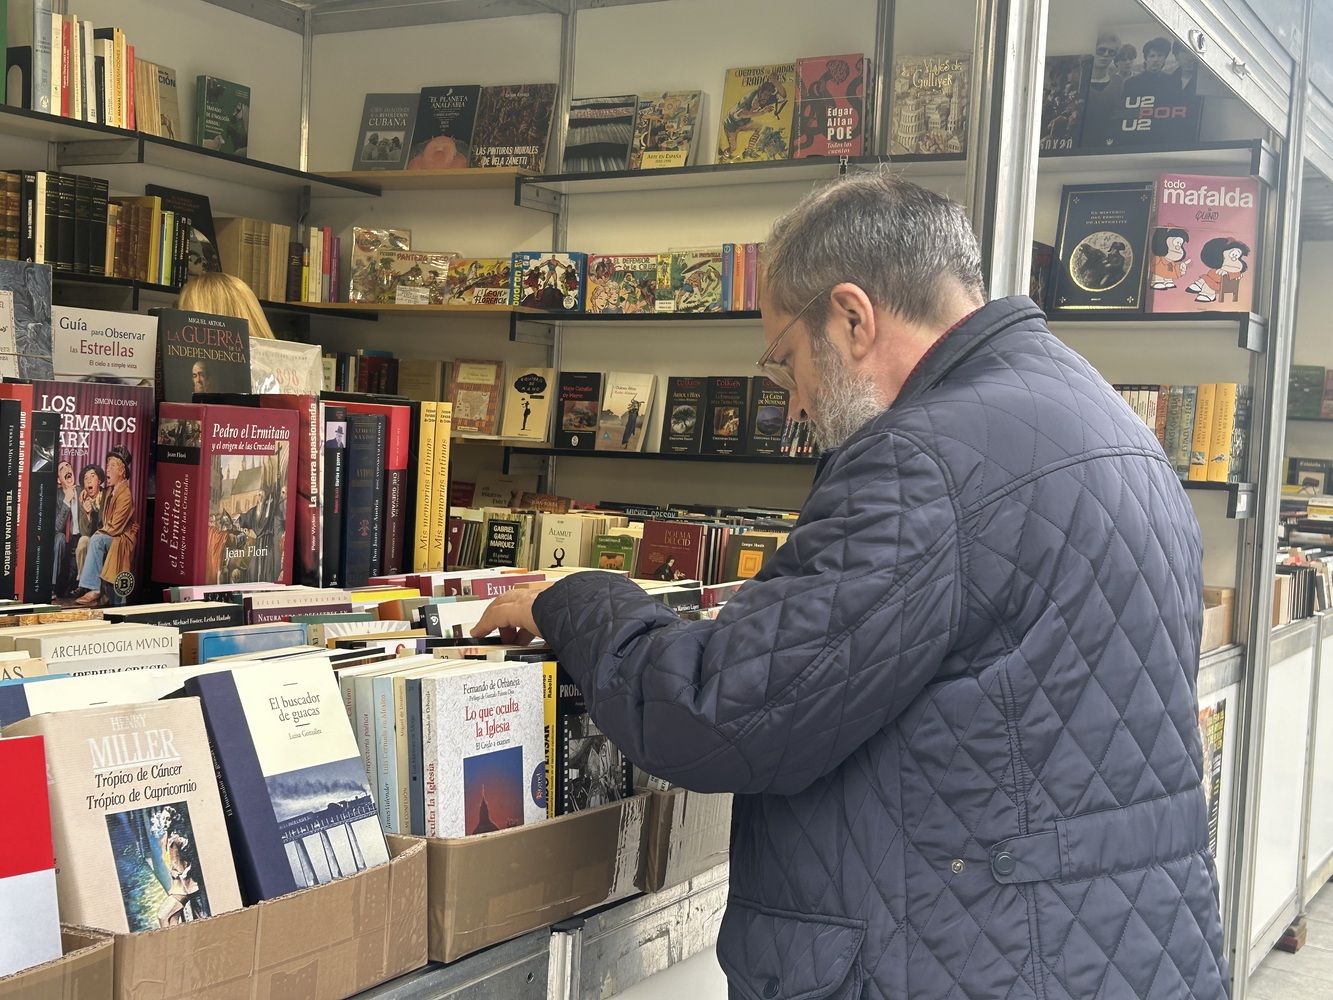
pixel 200 352
pixel 225 478
pixel 830 110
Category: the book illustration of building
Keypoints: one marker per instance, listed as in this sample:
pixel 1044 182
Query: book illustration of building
pixel 493 791
pixel 248 517
pixel 327 821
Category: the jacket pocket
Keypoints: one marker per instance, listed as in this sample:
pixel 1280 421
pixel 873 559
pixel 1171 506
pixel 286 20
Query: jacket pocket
pixel 771 954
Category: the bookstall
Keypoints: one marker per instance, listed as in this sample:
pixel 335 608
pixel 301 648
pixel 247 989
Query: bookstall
pixel 488 287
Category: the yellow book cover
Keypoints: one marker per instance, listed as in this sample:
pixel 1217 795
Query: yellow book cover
pixel 1223 426
pixel 758 105
pixel 444 415
pixel 549 688
pixel 1203 433
pixel 425 489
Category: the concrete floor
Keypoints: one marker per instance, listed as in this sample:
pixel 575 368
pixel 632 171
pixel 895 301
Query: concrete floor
pixel 1308 974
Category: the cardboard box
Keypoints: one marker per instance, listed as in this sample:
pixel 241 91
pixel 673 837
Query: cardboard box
pixel 689 833
pixel 496 886
pixel 324 943
pixel 1219 608
pixel 84 972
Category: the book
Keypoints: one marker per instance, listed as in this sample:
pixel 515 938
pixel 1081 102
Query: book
pixel 758 107
pixel 513 126
pixel 548 280
pixel 363 504
pixel 28 64
pixel 726 415
pixel 410 277
pixel 578 402
pixel 200 352
pixel 600 130
pixel 100 517
pixel 12 456
pixel 202 239
pixel 1039 279
pixel 439 507
pixel 364 270
pixel 564 540
pixel 671 551
pixel 384 140
pixel 930 101
pixel 140 838
pixel 1230 415
pixel 445 120
pixel 1142 89
pixel 746 555
pixel 299 806
pixel 502 541
pixel 690 281
pixel 25 319
pixel 27 865
pixel 479 281
pixel 622 283
pixel 201 646
pixel 286 367
pixel 1204 238
pixel 666 130
pixel 588 769
pixel 527 403
pixel 767 417
pixel 221 115
pixel 90 345
pixel 184 616
pixel 614 552
pixel 1102 247
pixel 395 485
pixel 168 105
pixel 333 428
pixel 40 514
pixel 627 402
pixel 1064 101
pixel 476 395
pixel 830 106
pixel 1203 430
pixel 683 419
pixel 225 478
pixel 309 498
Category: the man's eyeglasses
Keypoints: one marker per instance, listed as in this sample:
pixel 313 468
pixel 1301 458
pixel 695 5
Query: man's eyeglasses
pixel 777 371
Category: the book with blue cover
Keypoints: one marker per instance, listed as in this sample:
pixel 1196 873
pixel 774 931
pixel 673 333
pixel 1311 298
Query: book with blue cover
pixel 210 644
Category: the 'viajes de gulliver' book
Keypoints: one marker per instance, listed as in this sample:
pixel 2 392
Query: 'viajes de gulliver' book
pixel 930 95
pixel 140 838
pixel 299 806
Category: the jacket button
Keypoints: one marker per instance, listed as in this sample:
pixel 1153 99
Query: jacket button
pixel 957 866
pixel 770 989
pixel 1003 863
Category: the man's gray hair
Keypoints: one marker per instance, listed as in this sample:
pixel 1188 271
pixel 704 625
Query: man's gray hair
pixel 892 238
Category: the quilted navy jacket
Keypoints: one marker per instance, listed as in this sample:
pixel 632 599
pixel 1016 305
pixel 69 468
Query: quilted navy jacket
pixel 957 708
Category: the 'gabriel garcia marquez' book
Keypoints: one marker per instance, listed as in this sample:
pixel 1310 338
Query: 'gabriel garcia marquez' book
pixel 1102 247
pixel 140 838
pixel 385 137
pixel 225 478
pixel 514 126
pixel 200 352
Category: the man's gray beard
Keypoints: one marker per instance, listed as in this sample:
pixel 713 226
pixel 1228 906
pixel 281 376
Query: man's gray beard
pixel 846 401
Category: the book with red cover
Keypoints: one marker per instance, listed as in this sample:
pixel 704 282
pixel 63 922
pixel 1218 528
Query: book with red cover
pixel 397 439
pixel 225 477
pixel 830 106
pixel 493 586
pixel 671 550
pixel 307 566
pixel 27 859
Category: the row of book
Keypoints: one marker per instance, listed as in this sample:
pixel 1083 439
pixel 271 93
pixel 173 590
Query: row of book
pixel 1203 429
pixel 1310 392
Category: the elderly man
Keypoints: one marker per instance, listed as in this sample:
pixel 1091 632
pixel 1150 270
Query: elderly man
pixel 957 708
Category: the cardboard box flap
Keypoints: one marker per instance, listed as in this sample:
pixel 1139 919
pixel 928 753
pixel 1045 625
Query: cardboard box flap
pixel 84 972
pixel 690 833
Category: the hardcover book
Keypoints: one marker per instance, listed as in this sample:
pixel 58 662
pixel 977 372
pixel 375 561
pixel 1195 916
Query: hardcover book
pixel 202 238
pixel 285 367
pixel 365 270
pixel 666 130
pixel 476 395
pixel 333 427
pixel 479 281
pixel 683 420
pixel 221 115
pixel 930 99
pixel 622 283
pixel 514 126
pixel 769 403
pixel 1204 240
pixel 27 865
pixel 577 407
pixel 600 132
pixel 25 319
pixel 627 403
pixel 40 515
pixel 225 478
pixel 527 403
pixel 671 551
pixel 1102 247
pixel 140 838
pixel 309 498
pixel 299 807
pixel 169 109
pixel 396 465
pixel 1142 89
pixel 200 352
pixel 385 138
pixel 830 108
pixel 1305 391
pixel 184 616
pixel 363 507
pixel 1064 101
pixel 92 345
pixel 548 280
pixel 758 108
pixel 445 121
pixel 725 423
pixel 690 280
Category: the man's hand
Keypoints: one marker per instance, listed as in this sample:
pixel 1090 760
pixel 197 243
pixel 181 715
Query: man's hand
pixel 511 613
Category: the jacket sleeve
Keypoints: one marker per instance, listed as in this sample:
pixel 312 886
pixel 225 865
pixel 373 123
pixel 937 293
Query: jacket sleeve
pixel 847 623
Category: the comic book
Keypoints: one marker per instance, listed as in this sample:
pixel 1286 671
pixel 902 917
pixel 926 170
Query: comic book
pixel 930 97
pixel 366 243
pixel 479 281
pixel 758 108
pixel 1204 241
pixel 690 280
pixel 830 109
pixel 622 283
pixel 548 280
pixel 407 277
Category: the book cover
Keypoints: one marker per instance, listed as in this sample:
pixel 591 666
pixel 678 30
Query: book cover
pixel 201 237
pixel 1203 432
pixel 1142 89
pixel 527 403
pixel 365 271
pixel 683 420
pixel 286 367
pixel 168 102
pixel 666 130
pixel 410 277
pixel 548 280
pixel 1064 102
pixel 725 420
pixel 578 402
pixel 385 137
pixel 309 497
pixel 671 551
pixel 475 281
pixel 298 803
pixel 397 465
pixel 502 541
pixel 768 420
pixel 101 496
pixel 200 352
pixel 758 108
pixel 599 133
pixel 140 838
pixel 563 541
pixel 94 345
pixel 333 427
pixel 746 555
pixel 40 515
pixel 930 99
pixel 613 552
pixel 513 126
pixel 589 770
pixel 215 643
pixel 27 864
pixel 830 106
pixel 622 283
pixel 476 394
pixel 25 319
pixel 445 120
pixel 693 281
pixel 221 115
pixel 16 405
pixel 1039 279
pixel 627 402
pixel 1204 239
pixel 185 617
pixel 1102 247
pixel 363 506
pixel 225 478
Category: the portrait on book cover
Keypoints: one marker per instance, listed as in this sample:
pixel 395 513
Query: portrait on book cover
pixel 770 421
pixel 248 517
pixel 327 821
pixel 157 865
pixel 493 791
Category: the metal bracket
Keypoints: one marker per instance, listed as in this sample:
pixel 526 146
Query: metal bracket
pixel 564 968
pixel 529 331
pixel 1240 501
pixel 1265 165
pixel 533 195
pixel 88 152
pixel 1253 334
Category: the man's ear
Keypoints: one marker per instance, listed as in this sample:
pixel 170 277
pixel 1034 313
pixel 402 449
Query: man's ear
pixel 852 315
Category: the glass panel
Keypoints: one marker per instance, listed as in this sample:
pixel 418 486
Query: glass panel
pixel 1321 47
pixel 1282 18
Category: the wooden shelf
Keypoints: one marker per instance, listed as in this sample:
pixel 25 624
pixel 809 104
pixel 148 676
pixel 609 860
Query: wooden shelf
pixel 461 179
pixel 364 309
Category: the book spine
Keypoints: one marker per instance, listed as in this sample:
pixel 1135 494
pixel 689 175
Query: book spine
pixel 550 688
pixel 118 75
pixel 1223 430
pixel 60 97
pixel 99 81
pixel 751 276
pixel 27 214
pixel 728 273
pixel 73 80
pixel 425 523
pixel 395 526
pixel 98 191
pixel 48 221
pixel 399 771
pixel 42 58
pixel 82 248
pixel 66 232
pixel 88 52
pixel 430 766
pixel 181 513
pixel 439 511
pixel 416 811
pixel 10 441
pixel 294 255
pixel 23 514
pixel 325 263
pixel 41 510
pixel 1240 440
pixel 363 493
pixel 386 774
pixel 131 101
pixel 332 507
pixel 335 271
pixel 377 508
pixel 364 705
pixel 1203 429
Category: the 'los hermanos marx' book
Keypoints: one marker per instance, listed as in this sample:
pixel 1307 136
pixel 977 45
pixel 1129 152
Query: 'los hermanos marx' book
pixel 140 839
pixel 298 804
pixel 225 477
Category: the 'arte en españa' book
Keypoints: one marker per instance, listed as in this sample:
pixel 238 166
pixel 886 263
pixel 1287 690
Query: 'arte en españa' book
pixel 1204 240
pixel 225 480
pixel 1102 247
pixel 666 130
pixel 140 838
pixel 200 352
pixel 600 131
pixel 627 402
pixel 385 138
pixel 1064 101
pixel 830 108
pixel 758 107
pixel 579 398
pixel 930 97
pixel 27 864
pixel 445 121
pixel 622 283
pixel 514 126
pixel 298 804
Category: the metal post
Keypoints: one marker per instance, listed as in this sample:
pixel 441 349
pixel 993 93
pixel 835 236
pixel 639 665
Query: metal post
pixel 881 86
pixel 565 91
pixel 1009 52
pixel 307 71
pixel 563 969
pixel 1271 402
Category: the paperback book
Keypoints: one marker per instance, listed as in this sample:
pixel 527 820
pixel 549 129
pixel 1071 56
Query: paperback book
pixel 728 406
pixel 768 418
pixel 830 110
pixel 527 403
pixel 93 345
pixel 683 421
pixel 588 769
pixel 221 115
pixel 442 138
pixel 200 352
pixel 690 280
pixel 476 395
pixel 577 408
pixel 600 132
pixel 385 137
pixel 1204 239
pixel 1102 247
pixel 479 281
pixel 666 130
pixel 622 283
pixel 514 126
pixel 548 280
pixel 627 400
pixel 25 319
pixel 930 99
pixel 758 108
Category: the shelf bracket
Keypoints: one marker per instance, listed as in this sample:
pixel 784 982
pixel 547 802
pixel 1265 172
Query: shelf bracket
pixel 91 152
pixel 1240 501
pixel 1253 333
pixel 542 199
pixel 527 331
pixel 1266 166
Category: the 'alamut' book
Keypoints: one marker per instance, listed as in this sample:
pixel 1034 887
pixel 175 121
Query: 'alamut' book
pixel 140 839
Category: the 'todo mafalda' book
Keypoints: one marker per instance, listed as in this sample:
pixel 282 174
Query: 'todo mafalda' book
pixel 140 839
pixel 1204 240
pixel 298 804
